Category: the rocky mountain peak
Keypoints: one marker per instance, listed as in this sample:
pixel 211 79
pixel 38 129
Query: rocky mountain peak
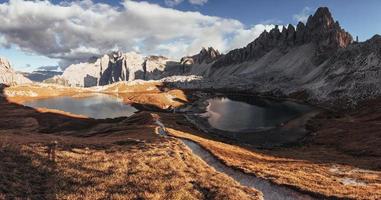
pixel 115 55
pixel 5 63
pixel 323 30
pixel 205 56
pixel 320 30
pixel 321 19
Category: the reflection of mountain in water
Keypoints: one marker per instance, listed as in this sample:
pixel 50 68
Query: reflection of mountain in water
pixel 98 106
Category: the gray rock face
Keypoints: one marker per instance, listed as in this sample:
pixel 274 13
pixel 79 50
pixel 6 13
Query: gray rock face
pixel 320 29
pixel 115 70
pixel 8 76
pixel 118 66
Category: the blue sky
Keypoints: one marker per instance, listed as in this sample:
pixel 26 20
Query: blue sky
pixel 357 17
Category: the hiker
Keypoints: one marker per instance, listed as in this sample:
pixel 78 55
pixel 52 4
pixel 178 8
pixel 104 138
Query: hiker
pixel 52 151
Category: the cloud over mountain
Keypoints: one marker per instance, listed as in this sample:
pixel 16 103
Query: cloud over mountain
pixel 75 31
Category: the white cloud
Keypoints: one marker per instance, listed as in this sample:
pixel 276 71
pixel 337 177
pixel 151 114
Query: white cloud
pixel 75 31
pixel 198 2
pixel 172 3
pixel 303 15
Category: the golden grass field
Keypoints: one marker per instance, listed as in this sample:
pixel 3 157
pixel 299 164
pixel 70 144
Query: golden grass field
pixel 164 169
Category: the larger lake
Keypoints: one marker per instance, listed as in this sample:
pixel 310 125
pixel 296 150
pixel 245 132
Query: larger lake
pixel 98 106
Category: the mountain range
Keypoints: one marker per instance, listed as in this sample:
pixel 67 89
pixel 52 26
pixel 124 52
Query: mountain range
pixel 316 61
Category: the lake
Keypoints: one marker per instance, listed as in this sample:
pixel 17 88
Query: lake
pixel 248 113
pixel 97 106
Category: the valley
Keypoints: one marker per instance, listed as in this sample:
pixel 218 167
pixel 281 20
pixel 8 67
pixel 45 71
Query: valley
pixel 295 114
pixel 319 166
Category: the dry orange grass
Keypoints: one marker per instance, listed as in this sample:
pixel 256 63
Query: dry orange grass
pixel 317 170
pixel 134 87
pixel 21 93
pixel 165 170
pixel 152 94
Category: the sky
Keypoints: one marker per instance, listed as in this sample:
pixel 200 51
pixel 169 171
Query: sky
pixel 60 33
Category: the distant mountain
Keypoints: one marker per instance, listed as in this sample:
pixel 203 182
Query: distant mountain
pixel 8 76
pixel 117 66
pixel 41 75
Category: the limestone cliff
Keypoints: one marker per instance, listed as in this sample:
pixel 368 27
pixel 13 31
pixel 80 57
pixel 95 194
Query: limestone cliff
pixel 8 76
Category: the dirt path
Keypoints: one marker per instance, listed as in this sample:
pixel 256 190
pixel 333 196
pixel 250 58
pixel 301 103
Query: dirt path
pixel 270 191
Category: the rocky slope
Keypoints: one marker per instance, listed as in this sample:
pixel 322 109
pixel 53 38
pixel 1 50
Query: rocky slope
pixel 8 76
pixel 316 61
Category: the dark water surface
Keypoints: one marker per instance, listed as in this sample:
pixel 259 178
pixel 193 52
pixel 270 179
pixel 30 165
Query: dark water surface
pixel 99 106
pixel 248 113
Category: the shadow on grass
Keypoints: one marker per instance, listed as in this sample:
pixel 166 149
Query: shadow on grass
pixel 25 177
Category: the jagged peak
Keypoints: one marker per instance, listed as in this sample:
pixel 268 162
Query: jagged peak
pixel 321 19
pixel 300 26
pixel 5 63
pixel 290 27
pixel 209 50
pixel 206 55
pixel 155 57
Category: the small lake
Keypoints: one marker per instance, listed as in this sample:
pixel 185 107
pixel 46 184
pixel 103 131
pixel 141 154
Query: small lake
pixel 248 113
pixel 97 106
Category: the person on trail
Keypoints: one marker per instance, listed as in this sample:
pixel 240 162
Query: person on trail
pixel 52 151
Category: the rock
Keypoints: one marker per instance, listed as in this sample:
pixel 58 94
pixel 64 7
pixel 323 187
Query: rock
pixel 4 63
pixel 300 32
pixel 8 76
pixel 324 31
pixel 290 35
pixel 117 67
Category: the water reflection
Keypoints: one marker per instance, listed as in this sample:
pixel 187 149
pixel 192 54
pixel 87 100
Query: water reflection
pixel 247 113
pixel 99 106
